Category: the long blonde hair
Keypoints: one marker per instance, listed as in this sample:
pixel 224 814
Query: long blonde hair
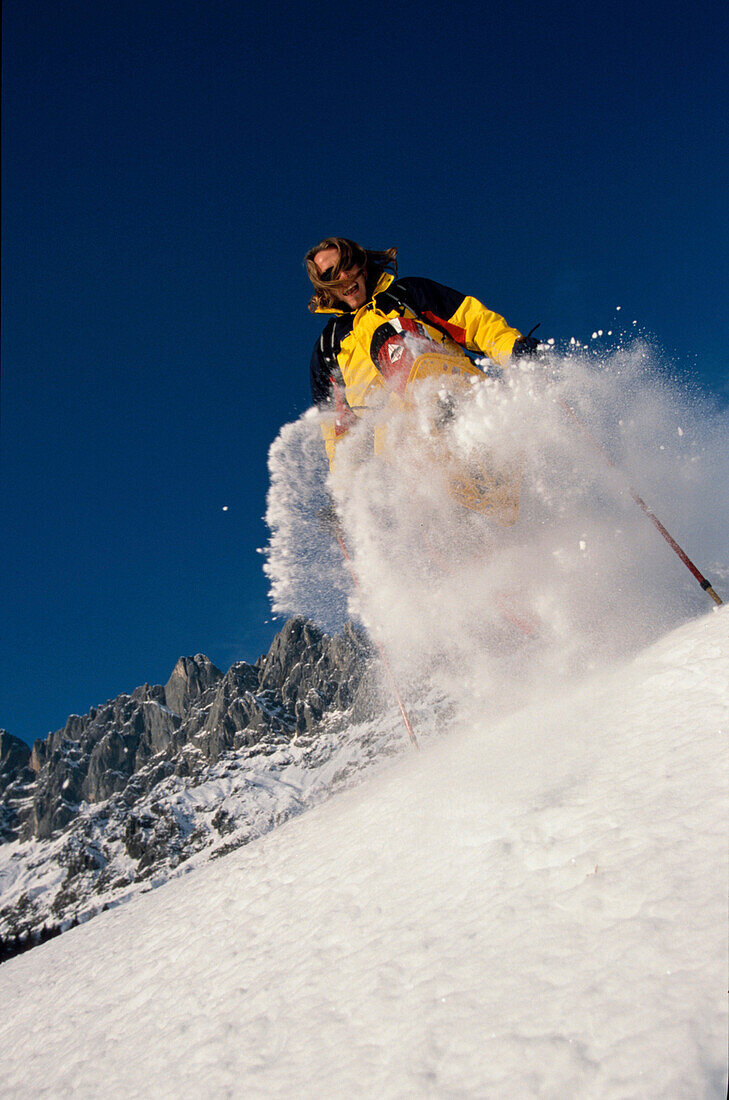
pixel 351 255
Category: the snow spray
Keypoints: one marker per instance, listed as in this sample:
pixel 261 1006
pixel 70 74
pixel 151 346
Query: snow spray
pixel 464 602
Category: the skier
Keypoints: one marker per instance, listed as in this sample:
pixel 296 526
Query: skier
pixel 377 317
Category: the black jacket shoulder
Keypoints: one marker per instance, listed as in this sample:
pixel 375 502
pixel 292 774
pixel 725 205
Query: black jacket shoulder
pixel 427 296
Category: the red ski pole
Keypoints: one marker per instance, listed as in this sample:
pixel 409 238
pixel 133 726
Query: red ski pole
pixel 383 655
pixel 705 584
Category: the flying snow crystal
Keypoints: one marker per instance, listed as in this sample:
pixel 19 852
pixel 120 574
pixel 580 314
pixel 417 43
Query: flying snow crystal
pixel 453 596
pixel 225 507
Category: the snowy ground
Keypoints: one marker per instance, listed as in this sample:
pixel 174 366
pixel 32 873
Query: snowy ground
pixel 532 907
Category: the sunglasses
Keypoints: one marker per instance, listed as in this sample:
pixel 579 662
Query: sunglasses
pixel 328 275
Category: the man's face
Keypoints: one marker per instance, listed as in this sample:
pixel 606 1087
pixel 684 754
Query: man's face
pixel 353 292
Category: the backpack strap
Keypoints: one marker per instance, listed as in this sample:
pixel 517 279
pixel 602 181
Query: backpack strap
pixel 394 298
pixel 398 298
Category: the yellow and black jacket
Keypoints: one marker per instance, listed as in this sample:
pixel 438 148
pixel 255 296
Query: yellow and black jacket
pixel 347 363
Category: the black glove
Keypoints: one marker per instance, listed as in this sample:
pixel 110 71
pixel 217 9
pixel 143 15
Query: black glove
pixel 525 345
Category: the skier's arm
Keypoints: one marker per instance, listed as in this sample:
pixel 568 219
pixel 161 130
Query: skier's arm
pixel 463 317
pixel 328 394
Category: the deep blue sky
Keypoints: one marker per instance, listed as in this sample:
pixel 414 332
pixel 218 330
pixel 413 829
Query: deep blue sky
pixel 167 164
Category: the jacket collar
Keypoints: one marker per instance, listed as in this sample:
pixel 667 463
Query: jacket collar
pixel 382 284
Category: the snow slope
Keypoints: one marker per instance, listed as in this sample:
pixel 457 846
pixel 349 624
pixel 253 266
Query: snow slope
pixel 531 907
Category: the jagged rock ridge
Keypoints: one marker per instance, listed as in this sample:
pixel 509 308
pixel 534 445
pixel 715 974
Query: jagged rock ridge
pixel 146 780
pixel 286 693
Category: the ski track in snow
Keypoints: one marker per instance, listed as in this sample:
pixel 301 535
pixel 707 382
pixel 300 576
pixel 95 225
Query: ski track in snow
pixel 532 907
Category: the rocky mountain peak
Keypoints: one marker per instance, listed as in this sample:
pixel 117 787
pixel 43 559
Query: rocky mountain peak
pixel 128 745
pixel 119 798
pixel 126 793
pixel 14 754
pixel 191 677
